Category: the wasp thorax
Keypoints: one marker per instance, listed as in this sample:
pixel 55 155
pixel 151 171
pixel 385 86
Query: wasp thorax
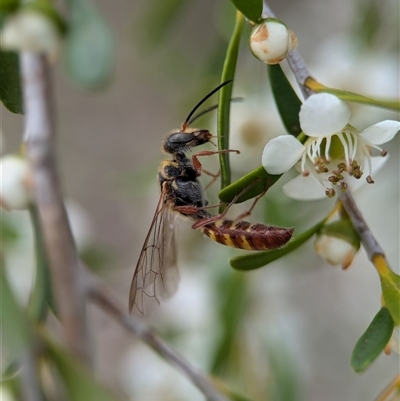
pixel 184 141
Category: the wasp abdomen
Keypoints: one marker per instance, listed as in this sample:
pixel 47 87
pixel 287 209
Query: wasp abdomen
pixel 245 235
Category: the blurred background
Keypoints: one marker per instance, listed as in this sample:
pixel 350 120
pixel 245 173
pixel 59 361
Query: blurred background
pixel 286 331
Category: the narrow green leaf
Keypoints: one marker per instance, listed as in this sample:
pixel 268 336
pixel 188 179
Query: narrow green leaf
pixel 233 294
pixel 373 341
pixel 41 297
pixel 390 283
pixel 225 96
pixel 10 84
pixel 251 9
pixel 259 259
pixel 79 384
pixel 7 6
pixel 353 97
pixel 89 47
pixel 15 330
pixel 162 17
pixel 256 182
pixel 284 381
pixel 286 99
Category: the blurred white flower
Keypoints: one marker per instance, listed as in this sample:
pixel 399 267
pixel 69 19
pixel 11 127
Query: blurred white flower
pixel 333 152
pixel 253 123
pixel 32 31
pixel 16 182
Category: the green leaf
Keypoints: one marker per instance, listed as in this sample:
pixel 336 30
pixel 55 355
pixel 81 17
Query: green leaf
pixel 225 96
pixel 10 84
pixel 251 9
pixel 89 50
pixel 373 341
pixel 41 297
pixel 15 330
pixel 79 384
pixel 159 20
pixel 259 259
pixel 7 6
pixel 284 372
pixel 390 283
pixel 233 296
pixel 286 99
pixel 352 97
pixel 256 182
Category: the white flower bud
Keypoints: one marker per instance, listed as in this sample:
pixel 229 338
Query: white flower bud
pixel 16 183
pixel 31 31
pixel 335 251
pixel 271 41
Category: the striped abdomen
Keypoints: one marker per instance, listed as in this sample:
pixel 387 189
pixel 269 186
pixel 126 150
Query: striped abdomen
pixel 245 235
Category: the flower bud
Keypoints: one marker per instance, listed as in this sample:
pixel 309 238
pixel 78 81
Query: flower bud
pixel 338 243
pixel 16 183
pixel 29 30
pixel 271 41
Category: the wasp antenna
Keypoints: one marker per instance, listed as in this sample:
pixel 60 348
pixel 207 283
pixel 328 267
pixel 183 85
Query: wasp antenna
pixel 186 123
pixel 234 99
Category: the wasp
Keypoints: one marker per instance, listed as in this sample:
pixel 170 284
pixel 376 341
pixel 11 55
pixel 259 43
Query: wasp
pixel 156 275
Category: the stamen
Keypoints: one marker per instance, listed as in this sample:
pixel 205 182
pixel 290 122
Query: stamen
pixel 350 143
pixel 384 152
pixel 303 163
pixel 327 148
pixel 343 186
pixel 370 180
pixel 330 192
pixel 345 147
pixel 368 157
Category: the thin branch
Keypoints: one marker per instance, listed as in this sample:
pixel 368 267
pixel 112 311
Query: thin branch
pixel 60 247
pixel 137 327
pixel 368 240
pixel 29 377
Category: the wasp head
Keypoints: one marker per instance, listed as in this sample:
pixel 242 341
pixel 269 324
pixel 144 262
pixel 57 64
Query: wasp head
pixel 184 141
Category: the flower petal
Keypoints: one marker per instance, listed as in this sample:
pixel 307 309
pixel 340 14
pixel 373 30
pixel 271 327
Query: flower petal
pixel 281 153
pixel 382 132
pixel 304 188
pixel 323 114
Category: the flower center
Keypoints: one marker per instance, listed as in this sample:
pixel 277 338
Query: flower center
pixel 333 156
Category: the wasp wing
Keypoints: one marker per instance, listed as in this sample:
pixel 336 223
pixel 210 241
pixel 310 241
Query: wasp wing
pixel 156 275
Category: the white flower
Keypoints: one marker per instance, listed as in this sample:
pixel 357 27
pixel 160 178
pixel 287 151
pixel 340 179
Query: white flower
pixel 271 41
pixel 15 182
pixel 335 251
pixel 334 154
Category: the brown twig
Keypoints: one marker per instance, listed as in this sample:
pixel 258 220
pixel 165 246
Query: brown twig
pixel 60 247
pixel 140 329
pixel 29 376
pixel 368 240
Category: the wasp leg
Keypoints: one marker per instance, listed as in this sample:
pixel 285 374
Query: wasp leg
pixel 196 163
pixel 191 209
pixel 212 219
pixel 215 176
pixel 248 212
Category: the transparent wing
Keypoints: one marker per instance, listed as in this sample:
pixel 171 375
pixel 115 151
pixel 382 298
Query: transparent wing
pixel 156 275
